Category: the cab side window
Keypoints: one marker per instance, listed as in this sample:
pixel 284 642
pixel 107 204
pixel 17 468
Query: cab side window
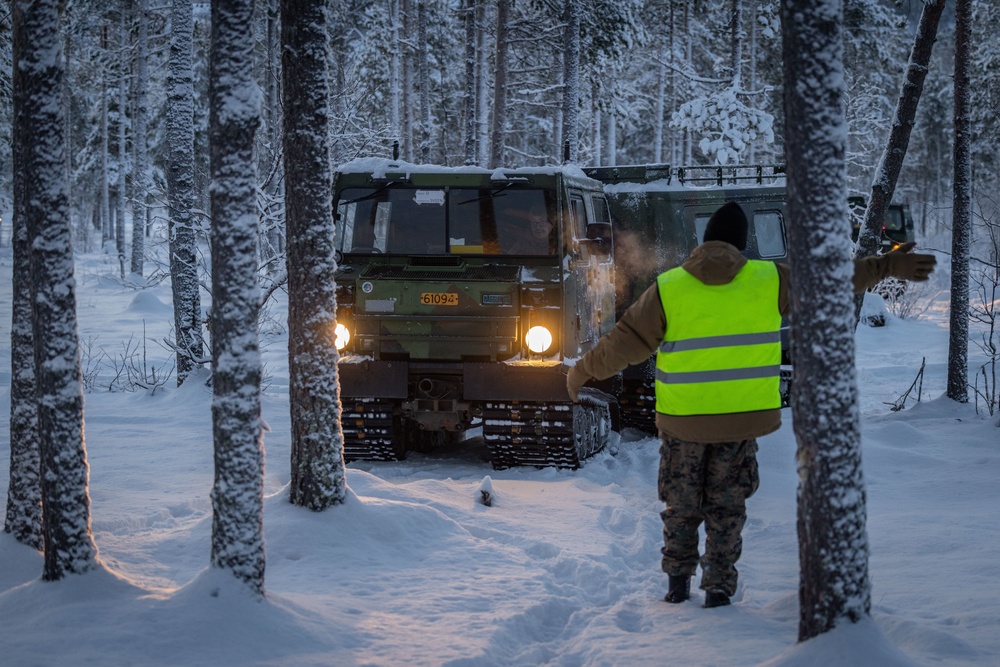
pixel 769 227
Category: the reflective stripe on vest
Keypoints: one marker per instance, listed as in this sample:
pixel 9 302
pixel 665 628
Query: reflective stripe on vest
pixel 721 353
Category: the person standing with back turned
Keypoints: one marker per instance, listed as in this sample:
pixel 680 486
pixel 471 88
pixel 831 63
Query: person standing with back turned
pixel 715 322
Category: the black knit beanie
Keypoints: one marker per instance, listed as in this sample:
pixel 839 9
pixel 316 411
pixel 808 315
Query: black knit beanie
pixel 729 224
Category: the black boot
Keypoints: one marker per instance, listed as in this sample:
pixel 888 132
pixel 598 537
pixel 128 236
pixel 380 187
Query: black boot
pixel 680 588
pixel 716 598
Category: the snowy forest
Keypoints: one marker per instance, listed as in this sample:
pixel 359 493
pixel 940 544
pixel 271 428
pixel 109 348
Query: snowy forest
pixel 195 143
pixel 654 82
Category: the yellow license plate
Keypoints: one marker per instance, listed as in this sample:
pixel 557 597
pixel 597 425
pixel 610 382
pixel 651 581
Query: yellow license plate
pixel 439 298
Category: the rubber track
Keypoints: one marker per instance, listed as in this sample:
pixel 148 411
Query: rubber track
pixel 637 403
pixel 368 430
pixel 539 434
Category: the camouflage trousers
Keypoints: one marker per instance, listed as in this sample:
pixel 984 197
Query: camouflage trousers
pixel 705 483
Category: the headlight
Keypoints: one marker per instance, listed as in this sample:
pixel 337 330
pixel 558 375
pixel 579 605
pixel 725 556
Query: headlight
pixel 538 339
pixel 343 336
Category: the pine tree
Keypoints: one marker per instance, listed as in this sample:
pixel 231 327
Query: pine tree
pixel 189 347
pixel 24 492
pixel 961 227
pixel 887 173
pixel 68 543
pixel 833 542
pixel 314 392
pixel 237 495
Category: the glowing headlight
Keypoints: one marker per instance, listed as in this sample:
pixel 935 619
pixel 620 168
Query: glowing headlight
pixel 343 336
pixel 538 339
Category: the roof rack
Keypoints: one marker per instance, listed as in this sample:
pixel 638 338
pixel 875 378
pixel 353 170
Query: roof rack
pixel 696 174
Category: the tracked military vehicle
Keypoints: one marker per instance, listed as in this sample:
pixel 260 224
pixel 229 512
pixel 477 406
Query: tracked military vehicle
pixel 896 228
pixel 463 294
pixel 660 214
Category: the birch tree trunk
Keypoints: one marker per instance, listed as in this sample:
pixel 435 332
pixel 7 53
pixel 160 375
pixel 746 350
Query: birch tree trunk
pixel 317 464
pixel 68 544
pixel 423 83
pixel 123 67
pixel 406 119
pixel 482 87
pixel 237 496
pixel 736 43
pixel 106 231
pixel 497 128
pixel 24 491
pixel 395 77
pixel 469 95
pixel 181 195
pixel 961 226
pixel 141 174
pixel 833 541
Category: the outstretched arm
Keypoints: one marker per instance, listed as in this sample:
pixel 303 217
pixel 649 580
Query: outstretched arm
pixel 900 263
pixel 634 338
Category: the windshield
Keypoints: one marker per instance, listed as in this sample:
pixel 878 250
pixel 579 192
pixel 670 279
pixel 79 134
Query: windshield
pixel 894 218
pixel 427 221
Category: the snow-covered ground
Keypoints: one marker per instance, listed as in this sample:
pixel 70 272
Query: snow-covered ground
pixel 563 569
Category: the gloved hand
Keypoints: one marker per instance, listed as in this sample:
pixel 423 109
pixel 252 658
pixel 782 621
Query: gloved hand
pixel 575 379
pixel 910 266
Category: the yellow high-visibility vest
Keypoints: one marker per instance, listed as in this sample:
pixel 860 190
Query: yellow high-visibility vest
pixel 721 353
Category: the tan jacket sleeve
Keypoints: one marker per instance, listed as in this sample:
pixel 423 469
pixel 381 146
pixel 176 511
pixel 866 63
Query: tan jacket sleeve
pixel 636 336
pixel 868 272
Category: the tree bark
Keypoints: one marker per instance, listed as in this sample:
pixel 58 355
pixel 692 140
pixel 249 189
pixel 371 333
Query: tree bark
pixel 181 195
pixel 469 94
pixel 24 492
pixel 497 130
pixel 140 178
pixel 317 464
pixel 123 67
pixel 68 543
pixel 571 80
pixel 887 172
pixel 424 83
pixel 961 227
pixel 237 495
pixel 833 543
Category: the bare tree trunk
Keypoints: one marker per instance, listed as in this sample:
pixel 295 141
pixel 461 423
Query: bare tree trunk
pixel 887 172
pixel 596 120
pixel 736 43
pixel 314 388
pixel 688 143
pixel 961 227
pixel 660 109
pixel 140 179
pixel 571 79
pixel 833 541
pixel 24 491
pixel 406 138
pixel 497 131
pixel 469 101
pixel 106 230
pixel 123 68
pixel 182 198
pixel 423 83
pixel 394 68
pixel 237 495
pixel 68 543
pixel 272 246
pixel 482 87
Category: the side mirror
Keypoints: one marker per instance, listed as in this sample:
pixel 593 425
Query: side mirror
pixel 599 235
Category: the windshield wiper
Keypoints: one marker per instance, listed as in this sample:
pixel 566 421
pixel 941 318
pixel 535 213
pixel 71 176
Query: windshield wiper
pixel 496 192
pixel 371 195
